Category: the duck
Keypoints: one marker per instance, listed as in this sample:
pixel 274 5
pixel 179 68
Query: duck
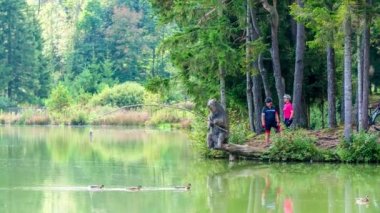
pixel 135 188
pixel 362 200
pixel 187 187
pixel 96 186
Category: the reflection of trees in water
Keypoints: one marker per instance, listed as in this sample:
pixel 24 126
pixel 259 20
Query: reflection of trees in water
pixel 64 156
pixel 308 187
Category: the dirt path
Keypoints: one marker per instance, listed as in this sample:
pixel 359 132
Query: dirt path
pixel 326 139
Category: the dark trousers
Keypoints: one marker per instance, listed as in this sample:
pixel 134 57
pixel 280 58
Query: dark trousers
pixel 288 122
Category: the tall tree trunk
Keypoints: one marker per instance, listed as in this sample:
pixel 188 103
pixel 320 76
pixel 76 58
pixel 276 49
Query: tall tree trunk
pixel 293 26
pixel 153 61
pixel 257 100
pixel 347 77
pixel 222 73
pixel 248 72
pixel 299 119
pixel 359 96
pixel 264 76
pixel 275 52
pixel 261 68
pixel 222 82
pixel 256 88
pixel 366 65
pixel 323 113
pixel 250 100
pixel 331 86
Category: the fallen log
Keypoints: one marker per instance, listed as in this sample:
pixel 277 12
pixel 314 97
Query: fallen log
pixel 243 150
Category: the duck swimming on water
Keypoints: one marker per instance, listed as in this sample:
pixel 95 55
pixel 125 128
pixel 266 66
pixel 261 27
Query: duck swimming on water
pixel 96 186
pixel 135 188
pixel 362 200
pixel 187 187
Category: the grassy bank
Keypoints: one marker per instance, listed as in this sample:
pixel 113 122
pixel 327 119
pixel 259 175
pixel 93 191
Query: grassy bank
pixel 155 117
pixel 325 145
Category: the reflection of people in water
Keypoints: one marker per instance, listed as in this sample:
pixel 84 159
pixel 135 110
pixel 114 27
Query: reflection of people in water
pixel 269 196
pixel 288 205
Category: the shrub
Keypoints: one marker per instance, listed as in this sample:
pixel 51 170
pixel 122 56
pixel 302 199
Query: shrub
pixel 6 103
pixel 152 98
pixel 164 115
pixel 362 148
pixel 294 145
pixel 127 118
pixel 59 99
pixel 120 95
pixel 79 118
pixel 239 132
pixel 38 119
pixel 198 138
pixel 172 117
pixel 9 118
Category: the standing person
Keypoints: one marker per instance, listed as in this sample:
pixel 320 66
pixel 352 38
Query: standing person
pixel 269 118
pixel 288 111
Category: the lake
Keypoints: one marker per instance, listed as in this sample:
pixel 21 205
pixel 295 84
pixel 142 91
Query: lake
pixel 50 169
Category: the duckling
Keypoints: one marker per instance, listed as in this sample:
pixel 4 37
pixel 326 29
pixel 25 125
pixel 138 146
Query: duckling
pixel 362 200
pixel 135 188
pixel 96 186
pixel 187 187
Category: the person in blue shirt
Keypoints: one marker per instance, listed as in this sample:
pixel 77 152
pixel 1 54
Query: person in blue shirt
pixel 269 119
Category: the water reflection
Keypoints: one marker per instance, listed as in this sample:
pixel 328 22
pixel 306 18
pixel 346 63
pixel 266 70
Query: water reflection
pixel 45 158
pixel 294 188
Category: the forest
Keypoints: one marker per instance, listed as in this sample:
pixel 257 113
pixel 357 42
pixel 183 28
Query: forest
pixel 81 59
pixel 323 53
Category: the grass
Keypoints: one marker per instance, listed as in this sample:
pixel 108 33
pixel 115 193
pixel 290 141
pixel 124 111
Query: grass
pixel 170 116
pixel 101 116
pixel 124 118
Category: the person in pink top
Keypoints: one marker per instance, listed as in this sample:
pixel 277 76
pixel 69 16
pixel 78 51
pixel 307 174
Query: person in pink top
pixel 288 111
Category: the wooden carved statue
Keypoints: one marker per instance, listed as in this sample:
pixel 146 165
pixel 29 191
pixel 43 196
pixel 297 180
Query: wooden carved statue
pixel 217 125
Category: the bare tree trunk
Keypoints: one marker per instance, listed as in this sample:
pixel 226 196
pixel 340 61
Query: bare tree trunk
pixel 323 114
pixel 257 100
pixel 275 52
pixel 256 88
pixel 248 73
pixel 153 61
pixel 250 101
pixel 261 68
pixel 366 65
pixel 293 26
pixel 331 86
pixel 264 76
pixel 359 96
pixel 347 77
pixel 299 119
pixel 222 81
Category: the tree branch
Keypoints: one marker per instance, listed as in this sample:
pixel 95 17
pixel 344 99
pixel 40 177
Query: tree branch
pixel 206 16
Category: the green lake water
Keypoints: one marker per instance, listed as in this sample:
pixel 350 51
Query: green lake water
pixel 49 169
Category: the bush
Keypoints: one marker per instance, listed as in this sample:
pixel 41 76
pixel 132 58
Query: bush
pixel 166 116
pixel 120 95
pixel 38 119
pixel 6 103
pixel 59 99
pixel 198 138
pixel 363 148
pixel 126 118
pixel 80 118
pixel 294 145
pixel 239 132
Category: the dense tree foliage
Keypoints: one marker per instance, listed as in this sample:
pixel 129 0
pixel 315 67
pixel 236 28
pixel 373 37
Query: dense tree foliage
pixel 92 44
pixel 304 46
pixel 23 74
pixel 324 53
